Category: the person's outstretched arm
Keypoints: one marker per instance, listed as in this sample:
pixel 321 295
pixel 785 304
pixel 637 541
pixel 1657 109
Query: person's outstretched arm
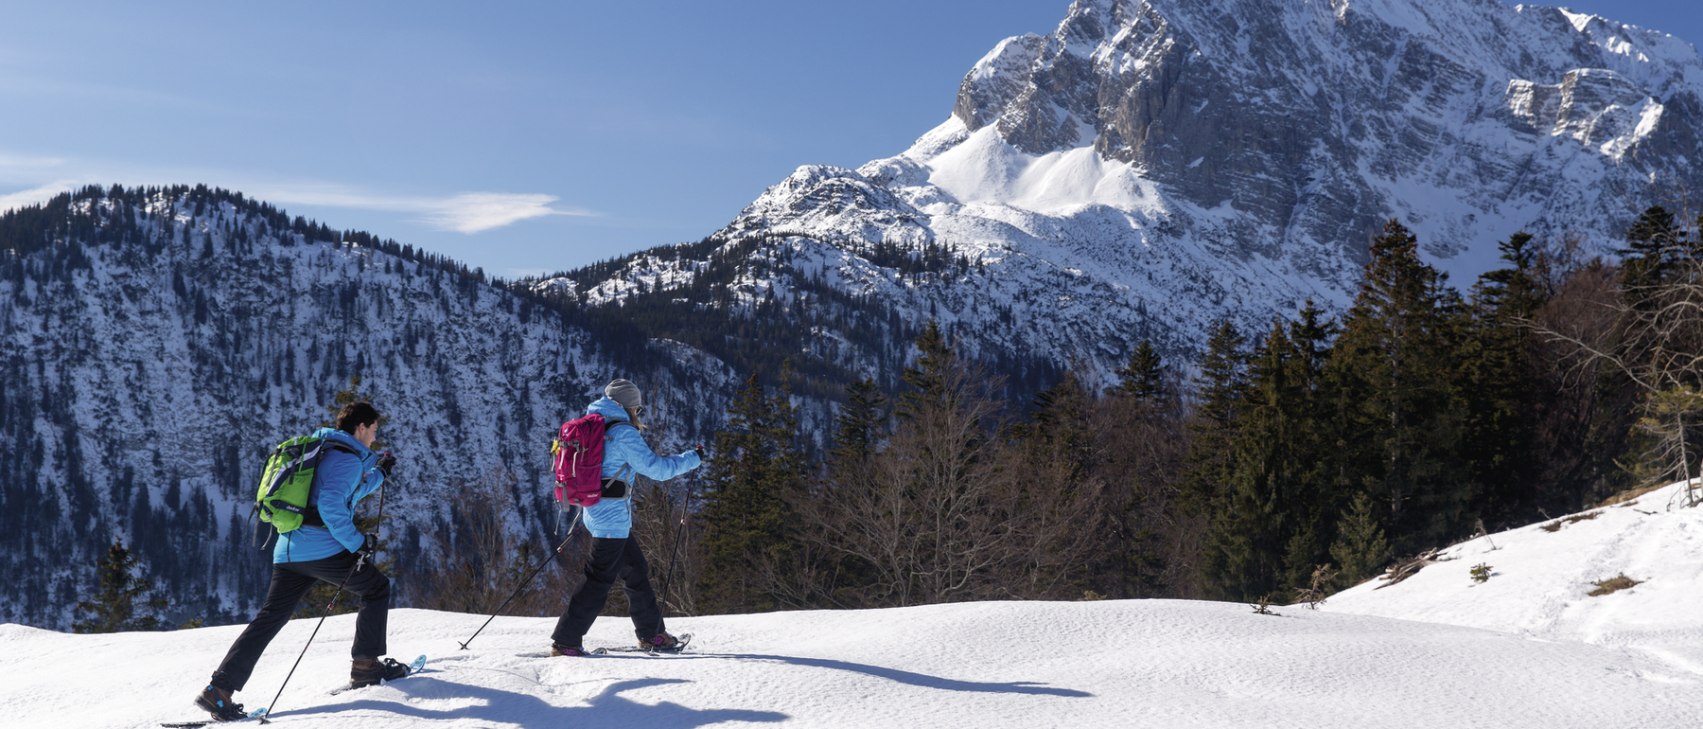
pixel 646 461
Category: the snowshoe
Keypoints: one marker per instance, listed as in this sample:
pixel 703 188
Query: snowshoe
pixel 217 701
pixel 662 643
pixel 369 672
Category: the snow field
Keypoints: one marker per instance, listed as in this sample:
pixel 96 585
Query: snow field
pixel 1527 648
pixel 1150 663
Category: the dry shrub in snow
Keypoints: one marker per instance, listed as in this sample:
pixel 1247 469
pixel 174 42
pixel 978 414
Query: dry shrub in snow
pixel 1613 584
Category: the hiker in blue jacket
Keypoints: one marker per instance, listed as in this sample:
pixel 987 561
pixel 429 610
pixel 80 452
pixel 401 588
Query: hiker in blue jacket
pixel 614 553
pixel 327 548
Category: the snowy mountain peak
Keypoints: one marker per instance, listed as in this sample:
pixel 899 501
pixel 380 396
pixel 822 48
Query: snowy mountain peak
pixel 817 199
pixel 1153 166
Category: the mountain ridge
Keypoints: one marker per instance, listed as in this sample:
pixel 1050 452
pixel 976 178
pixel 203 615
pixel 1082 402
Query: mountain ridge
pixel 159 340
pixel 1232 162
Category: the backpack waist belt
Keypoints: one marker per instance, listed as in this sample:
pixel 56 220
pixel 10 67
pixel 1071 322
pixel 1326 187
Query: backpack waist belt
pixel 310 514
pixel 614 488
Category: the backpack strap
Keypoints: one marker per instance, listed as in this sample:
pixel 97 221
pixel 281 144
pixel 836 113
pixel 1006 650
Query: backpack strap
pixel 615 487
pixel 310 515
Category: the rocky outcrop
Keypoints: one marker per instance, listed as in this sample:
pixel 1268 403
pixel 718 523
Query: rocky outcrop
pixel 1152 166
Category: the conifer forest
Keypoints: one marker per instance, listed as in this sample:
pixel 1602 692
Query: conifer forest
pixel 160 340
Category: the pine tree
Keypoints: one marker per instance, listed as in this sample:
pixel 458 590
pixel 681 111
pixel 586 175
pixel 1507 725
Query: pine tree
pixel 933 519
pixel 114 607
pixel 1394 388
pixel 1220 387
pixel 1134 458
pixel 1662 286
pixel 1654 245
pixel 1314 495
pixel 858 427
pixel 1142 378
pixel 1081 530
pixel 1270 534
pixel 1496 366
pixel 1061 427
pixel 748 521
pixel 1360 550
pixel 1208 458
pixel 860 431
pixel 1247 540
pixel 957 488
pixel 930 377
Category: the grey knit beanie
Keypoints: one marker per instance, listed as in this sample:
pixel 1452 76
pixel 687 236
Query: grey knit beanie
pixel 625 393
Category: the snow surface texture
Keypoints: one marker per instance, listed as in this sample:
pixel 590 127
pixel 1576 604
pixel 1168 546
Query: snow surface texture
pixel 1526 648
pixel 1154 166
pixel 1540 584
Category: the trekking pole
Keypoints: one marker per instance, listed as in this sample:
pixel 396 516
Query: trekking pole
pixel 564 545
pixel 359 562
pixel 679 535
pixel 328 607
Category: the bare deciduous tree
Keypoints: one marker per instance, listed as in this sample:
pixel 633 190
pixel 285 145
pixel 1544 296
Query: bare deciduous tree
pixel 484 558
pixel 1654 337
pixel 953 506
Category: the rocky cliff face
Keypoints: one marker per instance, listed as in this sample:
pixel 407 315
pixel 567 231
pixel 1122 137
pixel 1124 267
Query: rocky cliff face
pixel 1316 119
pixel 1152 166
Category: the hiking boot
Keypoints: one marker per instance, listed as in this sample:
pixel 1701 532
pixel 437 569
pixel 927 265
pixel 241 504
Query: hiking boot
pixel 570 651
pixel 372 672
pixel 217 701
pixel 661 643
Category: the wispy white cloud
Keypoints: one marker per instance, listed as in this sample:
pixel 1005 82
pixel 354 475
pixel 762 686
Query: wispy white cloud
pixel 473 212
pixel 25 198
pixel 467 213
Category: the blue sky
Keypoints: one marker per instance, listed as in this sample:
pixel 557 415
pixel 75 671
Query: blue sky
pixel 520 137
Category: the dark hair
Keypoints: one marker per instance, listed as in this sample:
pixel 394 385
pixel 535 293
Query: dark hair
pixel 355 415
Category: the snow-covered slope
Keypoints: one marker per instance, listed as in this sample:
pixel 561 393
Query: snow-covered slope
pixel 1159 664
pixel 1526 649
pixel 1155 165
pixel 160 342
pixel 1541 577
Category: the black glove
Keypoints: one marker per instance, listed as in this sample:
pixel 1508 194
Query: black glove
pixel 369 546
pixel 699 449
pixel 386 462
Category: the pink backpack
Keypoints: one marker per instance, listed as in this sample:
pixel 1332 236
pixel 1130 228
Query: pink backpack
pixel 579 459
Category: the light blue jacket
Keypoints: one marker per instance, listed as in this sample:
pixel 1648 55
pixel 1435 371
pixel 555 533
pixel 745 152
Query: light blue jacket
pixel 341 481
pixel 624 453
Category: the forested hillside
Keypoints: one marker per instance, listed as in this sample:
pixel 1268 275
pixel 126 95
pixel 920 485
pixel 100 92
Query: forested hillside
pixel 158 342
pixel 1303 457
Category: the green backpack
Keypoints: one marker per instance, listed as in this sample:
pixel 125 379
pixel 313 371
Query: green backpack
pixel 286 484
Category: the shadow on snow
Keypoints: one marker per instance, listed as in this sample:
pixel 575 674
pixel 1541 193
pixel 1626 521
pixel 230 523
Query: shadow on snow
pixel 607 708
pixel 896 675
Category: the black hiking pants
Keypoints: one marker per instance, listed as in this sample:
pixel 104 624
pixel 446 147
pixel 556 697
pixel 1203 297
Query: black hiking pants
pixel 611 559
pixel 290 581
